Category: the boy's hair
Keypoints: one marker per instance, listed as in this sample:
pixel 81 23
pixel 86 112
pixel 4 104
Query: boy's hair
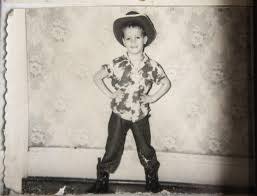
pixel 132 24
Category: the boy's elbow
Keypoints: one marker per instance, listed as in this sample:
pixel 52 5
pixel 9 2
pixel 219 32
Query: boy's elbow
pixel 167 83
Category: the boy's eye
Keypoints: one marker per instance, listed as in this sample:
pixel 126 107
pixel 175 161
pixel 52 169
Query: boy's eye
pixel 127 38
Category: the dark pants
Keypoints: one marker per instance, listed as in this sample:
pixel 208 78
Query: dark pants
pixel 117 131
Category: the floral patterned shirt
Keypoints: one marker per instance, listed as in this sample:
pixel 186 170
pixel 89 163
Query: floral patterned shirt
pixel 133 82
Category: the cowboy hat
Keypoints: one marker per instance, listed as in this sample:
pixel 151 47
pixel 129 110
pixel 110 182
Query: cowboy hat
pixel 137 18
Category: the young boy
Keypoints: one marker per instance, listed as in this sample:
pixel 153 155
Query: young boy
pixel 132 76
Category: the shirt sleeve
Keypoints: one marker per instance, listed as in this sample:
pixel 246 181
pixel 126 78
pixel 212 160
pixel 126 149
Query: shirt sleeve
pixel 109 69
pixel 158 73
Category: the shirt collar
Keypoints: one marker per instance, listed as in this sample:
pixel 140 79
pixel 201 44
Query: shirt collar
pixel 145 58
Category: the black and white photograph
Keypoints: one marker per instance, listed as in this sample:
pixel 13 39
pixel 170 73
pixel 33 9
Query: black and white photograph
pixel 128 97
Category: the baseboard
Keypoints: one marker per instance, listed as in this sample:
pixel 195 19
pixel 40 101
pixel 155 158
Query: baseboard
pixel 175 167
pixel 51 185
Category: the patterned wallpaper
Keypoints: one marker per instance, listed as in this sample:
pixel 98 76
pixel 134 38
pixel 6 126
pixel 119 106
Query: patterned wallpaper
pixel 203 50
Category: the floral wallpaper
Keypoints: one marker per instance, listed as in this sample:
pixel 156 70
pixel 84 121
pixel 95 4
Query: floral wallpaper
pixel 205 51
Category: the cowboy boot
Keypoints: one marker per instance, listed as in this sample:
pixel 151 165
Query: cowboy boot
pixel 154 184
pixel 152 181
pixel 102 182
pixel 147 181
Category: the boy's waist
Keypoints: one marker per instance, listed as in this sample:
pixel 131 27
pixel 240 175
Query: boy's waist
pixel 131 118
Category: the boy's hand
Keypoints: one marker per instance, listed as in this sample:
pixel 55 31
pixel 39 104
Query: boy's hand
pixel 147 99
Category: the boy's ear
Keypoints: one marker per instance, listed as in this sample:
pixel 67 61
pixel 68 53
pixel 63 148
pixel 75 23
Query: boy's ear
pixel 145 39
pixel 123 41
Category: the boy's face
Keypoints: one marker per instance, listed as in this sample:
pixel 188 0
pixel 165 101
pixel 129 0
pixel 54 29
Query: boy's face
pixel 134 40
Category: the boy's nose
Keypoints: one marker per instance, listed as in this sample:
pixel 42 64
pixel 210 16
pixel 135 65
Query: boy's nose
pixel 133 40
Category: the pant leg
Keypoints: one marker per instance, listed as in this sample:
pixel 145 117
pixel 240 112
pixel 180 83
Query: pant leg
pixel 117 131
pixel 142 136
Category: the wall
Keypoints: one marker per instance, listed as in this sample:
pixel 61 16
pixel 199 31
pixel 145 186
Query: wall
pixel 204 51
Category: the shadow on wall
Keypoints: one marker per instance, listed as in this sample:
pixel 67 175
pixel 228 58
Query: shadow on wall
pixel 238 82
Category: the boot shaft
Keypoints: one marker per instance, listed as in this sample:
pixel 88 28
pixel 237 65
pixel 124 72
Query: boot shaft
pixel 102 182
pixel 152 180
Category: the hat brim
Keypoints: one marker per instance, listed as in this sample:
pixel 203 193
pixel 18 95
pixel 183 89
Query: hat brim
pixel 142 20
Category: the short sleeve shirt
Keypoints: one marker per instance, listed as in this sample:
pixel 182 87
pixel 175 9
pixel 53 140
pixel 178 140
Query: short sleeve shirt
pixel 133 82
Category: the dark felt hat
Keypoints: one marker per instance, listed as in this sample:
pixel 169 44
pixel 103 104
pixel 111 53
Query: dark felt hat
pixel 137 18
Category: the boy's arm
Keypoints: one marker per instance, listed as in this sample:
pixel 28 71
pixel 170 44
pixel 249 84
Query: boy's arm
pixel 98 79
pixel 165 85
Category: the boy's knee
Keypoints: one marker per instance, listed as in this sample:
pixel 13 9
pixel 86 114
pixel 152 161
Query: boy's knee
pixel 146 150
pixel 146 154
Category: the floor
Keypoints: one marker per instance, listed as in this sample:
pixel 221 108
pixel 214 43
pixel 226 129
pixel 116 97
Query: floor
pixel 163 193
